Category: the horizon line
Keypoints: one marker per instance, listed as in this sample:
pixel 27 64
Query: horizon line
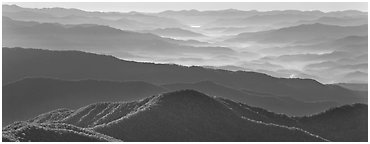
pixel 187 10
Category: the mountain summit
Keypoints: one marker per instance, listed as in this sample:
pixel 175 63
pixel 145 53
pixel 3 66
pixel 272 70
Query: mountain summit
pixel 188 115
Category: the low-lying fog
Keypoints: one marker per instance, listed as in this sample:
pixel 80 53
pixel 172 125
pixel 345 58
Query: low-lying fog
pixel 329 47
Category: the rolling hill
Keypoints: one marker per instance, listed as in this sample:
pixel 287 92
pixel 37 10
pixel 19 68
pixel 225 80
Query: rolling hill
pixel 124 21
pixel 229 17
pixel 188 115
pixel 274 103
pixel 73 65
pixel 178 116
pixel 261 20
pixel 98 39
pixel 341 21
pixel 302 33
pixel 19 63
pixel 31 96
pixel 174 32
pixel 346 123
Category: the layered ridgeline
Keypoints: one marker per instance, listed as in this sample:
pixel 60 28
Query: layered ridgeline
pixel 188 115
pixel 19 63
pixel 100 39
pixel 302 34
pixel 174 32
pixel 127 21
pixel 86 78
pixel 280 43
pixel 31 96
pixel 229 18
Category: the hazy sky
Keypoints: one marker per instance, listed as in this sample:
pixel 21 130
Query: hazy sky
pixel 161 6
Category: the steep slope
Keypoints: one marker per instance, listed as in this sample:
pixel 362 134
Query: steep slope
pixel 188 115
pixel 72 65
pixel 302 33
pixel 52 116
pixel 53 132
pixel 31 96
pixel 192 116
pixel 346 123
pixel 275 103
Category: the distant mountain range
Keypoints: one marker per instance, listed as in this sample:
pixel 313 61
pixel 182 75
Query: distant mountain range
pixel 23 102
pixel 124 21
pixel 342 21
pixel 284 20
pixel 237 17
pixel 302 34
pixel 19 63
pixel 351 44
pixel 354 86
pixel 188 115
pixel 185 18
pixel 265 20
pixel 184 76
pixel 192 37
pixel 98 79
pixel 174 32
pixel 93 38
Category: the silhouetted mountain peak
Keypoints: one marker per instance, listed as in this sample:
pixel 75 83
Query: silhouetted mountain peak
pixel 184 114
pixel 187 96
pixel 191 115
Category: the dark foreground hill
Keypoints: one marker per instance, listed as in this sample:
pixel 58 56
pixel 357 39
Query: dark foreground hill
pixel 31 96
pixel 19 63
pixel 346 123
pixel 51 132
pixel 178 116
pixel 274 103
pixel 188 115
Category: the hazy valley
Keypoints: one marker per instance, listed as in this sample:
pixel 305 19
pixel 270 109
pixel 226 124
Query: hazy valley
pixel 187 75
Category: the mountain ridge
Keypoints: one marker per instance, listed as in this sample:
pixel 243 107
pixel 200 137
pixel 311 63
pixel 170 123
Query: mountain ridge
pixel 21 101
pixel 19 63
pixel 188 115
pixel 301 33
